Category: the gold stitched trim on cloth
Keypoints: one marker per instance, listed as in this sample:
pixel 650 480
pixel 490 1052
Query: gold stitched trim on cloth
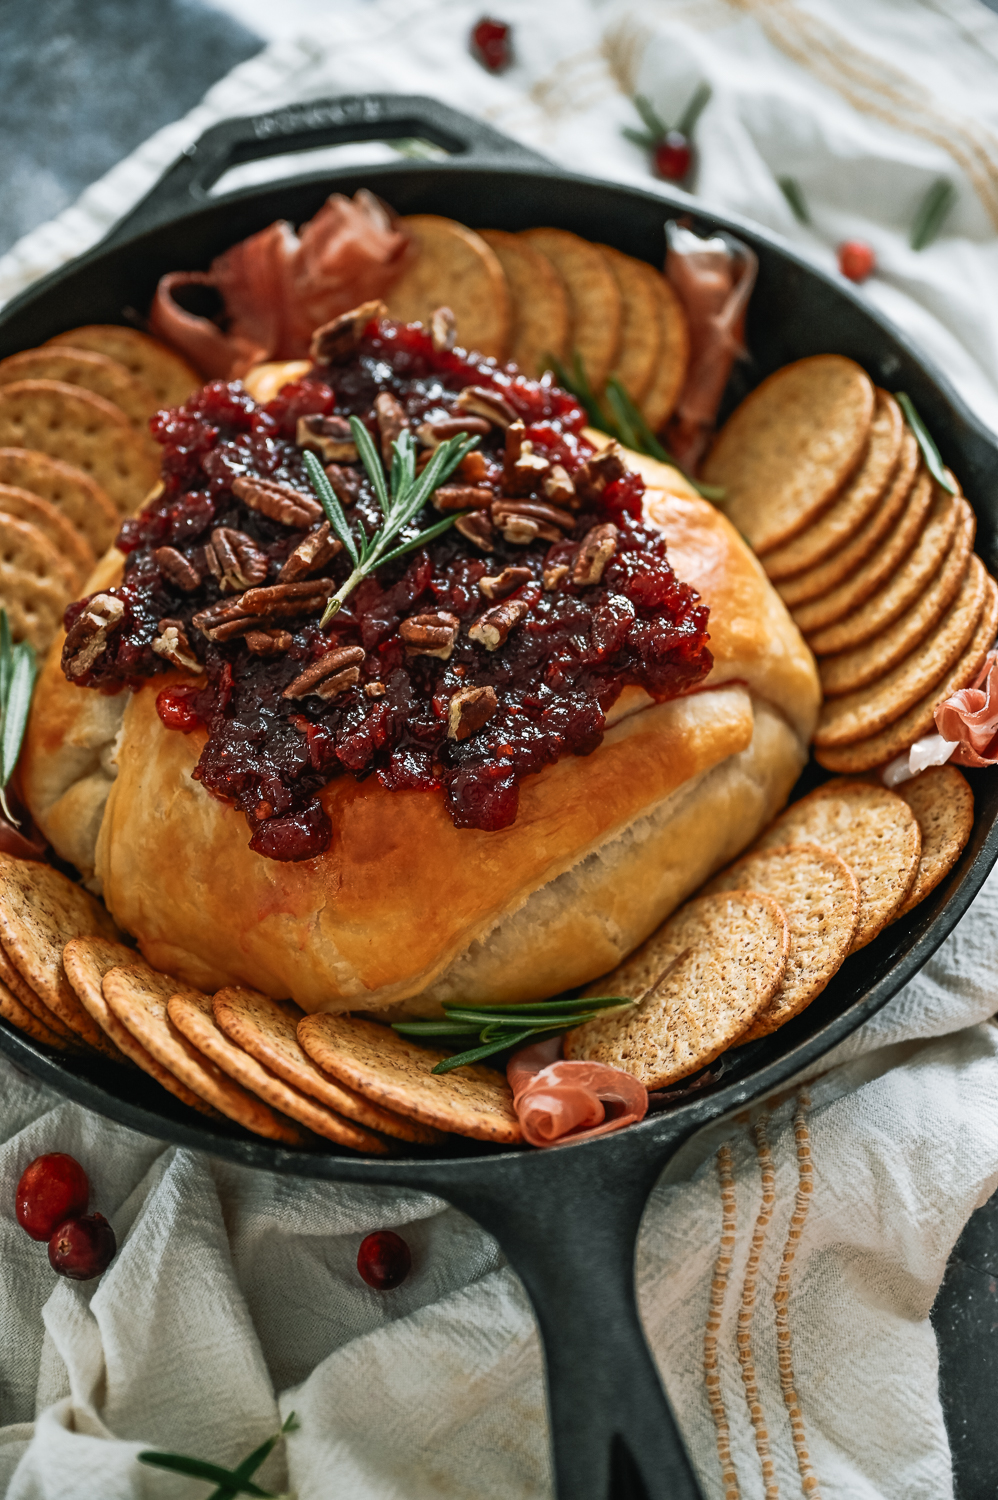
pixel 747 1309
pixel 718 1287
pixel 781 1298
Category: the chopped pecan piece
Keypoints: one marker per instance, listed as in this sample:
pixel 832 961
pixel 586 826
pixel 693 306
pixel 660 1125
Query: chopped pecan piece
pixel 334 342
pixel 481 402
pixel 521 530
pixel 88 635
pixel 523 470
pixel 477 528
pixel 432 434
pixel 443 329
pixel 174 566
pixel 281 502
pixel 227 630
pixel 491 629
pixel 392 422
pixel 172 643
pixel 432 634
pixel 555 576
pixel 599 471
pixel 339 683
pixel 318 549
pixel 235 560
pixel 504 583
pixel 536 510
pixel 268 642
pixel 328 666
pixel 461 497
pixel 330 437
pixel 374 689
pixel 469 709
pixel 598 546
pixel 345 483
pixel 558 487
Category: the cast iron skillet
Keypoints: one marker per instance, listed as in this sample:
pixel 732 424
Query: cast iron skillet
pixel 567 1219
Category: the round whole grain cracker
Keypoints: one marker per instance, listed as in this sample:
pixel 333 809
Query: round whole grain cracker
pixel 451 266
pixel 82 367
pixel 83 429
pixel 857 502
pixel 40 910
pixel 170 378
pixel 785 453
pixel 864 664
pixel 901 588
pixel 138 997
pixel 36 584
pixel 872 829
pixel 80 499
pixel 943 803
pixel 827 575
pixel 819 896
pixel 398 1074
pixel 70 545
pixel 33 1002
pixel 640 348
pixel 669 377
pixel 23 1020
pixel 702 979
pixel 191 1013
pixel 541 321
pixel 863 755
pixel 856 716
pixel 594 299
pixel 268 1031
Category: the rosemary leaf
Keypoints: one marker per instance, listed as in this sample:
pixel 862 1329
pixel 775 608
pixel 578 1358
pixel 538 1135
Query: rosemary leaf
pixel 419 541
pixel 6 659
pixel 693 110
pixel 647 442
pixel 329 500
pixel 615 396
pixel 196 1468
pixel 656 125
pixel 436 1028
pixel 511 1039
pixel 642 138
pixel 794 194
pixel 932 211
pixel 547 1007
pixel 292 1424
pixel 14 709
pixel 371 459
pixel 933 461
pixel 534 1018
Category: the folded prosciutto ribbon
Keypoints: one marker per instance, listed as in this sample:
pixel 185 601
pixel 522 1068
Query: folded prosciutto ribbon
pixel 279 286
pixel 558 1102
pixel 966 730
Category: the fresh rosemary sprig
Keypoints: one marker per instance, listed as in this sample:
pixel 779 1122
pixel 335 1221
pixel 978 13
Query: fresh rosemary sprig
pixel 499 1027
pixel 18 670
pixel 229 1482
pixel 933 461
pixel 794 194
pixel 401 500
pixel 932 211
pixel 656 128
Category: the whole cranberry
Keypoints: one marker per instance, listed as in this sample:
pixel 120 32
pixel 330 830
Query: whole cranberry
pixel 82 1248
pixel 383 1260
pixel 856 260
pixel 673 155
pixel 52 1188
pixel 490 43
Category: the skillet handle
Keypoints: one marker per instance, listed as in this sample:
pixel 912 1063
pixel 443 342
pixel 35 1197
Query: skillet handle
pixel 568 1221
pixel 185 186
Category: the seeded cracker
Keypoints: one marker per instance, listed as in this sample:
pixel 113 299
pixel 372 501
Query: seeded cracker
pixel 75 494
pixel 191 1013
pixel 943 803
pixel 451 266
pixel 397 1074
pixel 25 1021
pixel 819 895
pixel 786 451
pixel 75 551
pixel 541 322
pixel 35 583
pixel 138 997
pixel 169 377
pixel 93 372
pixel 640 331
pixel 712 968
pixel 33 1003
pixel 667 382
pixel 594 298
pixel 872 829
pixel 267 1030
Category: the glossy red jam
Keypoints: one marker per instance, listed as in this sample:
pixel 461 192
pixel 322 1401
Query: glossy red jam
pixel 554 677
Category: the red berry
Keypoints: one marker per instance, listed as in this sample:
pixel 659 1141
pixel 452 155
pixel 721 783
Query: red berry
pixel 176 709
pixel 383 1260
pixel 490 43
pixel 82 1248
pixel 856 260
pixel 52 1188
pixel 673 156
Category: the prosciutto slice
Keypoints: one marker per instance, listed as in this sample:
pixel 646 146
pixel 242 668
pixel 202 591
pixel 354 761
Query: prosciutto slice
pixel 279 286
pixel 713 279
pixel 970 717
pixel 557 1102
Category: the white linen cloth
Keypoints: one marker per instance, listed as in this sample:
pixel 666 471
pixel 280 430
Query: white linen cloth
pixel 813 1247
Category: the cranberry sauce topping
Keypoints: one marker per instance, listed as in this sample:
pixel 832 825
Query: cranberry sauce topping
pixel 458 669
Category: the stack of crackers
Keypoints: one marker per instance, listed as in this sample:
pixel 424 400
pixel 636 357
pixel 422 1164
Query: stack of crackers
pixel 872 556
pixel 75 457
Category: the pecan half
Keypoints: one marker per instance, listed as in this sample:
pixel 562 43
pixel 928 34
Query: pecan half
pixel 491 629
pixel 328 666
pixel 469 709
pixel 174 566
pixel 481 402
pixel 599 471
pixel 235 560
pixel 334 342
pixel 330 437
pixel 477 528
pixel 461 497
pixel 281 502
pixel 338 684
pixel 223 621
pixel 598 546
pixel 523 470
pixel 172 643
pixel 268 642
pixel 505 582
pixel 345 483
pixel 443 329
pixel 432 634
pixel 392 422
pixel 88 635
pixel 536 510
pixel 318 549
pixel 432 434
pixel 558 487
pixel 555 576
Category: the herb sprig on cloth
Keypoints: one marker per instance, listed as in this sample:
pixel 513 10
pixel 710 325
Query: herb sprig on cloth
pixel 499 1027
pixel 933 460
pixel 229 1482
pixel 401 499
pixel 18 670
